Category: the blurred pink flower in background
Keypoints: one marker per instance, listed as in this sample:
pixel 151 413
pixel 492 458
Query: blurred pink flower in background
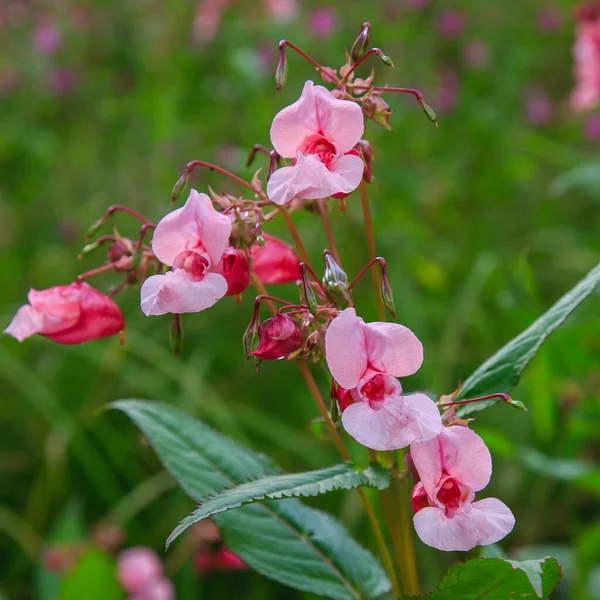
pixel 416 4
pixel 447 95
pixel 449 23
pixel 592 128
pixel 61 81
pixel 207 19
pixel 549 19
pixel 9 80
pixel 138 567
pixel 282 11
pixel 323 21
pixel 475 54
pixel 538 108
pixel 586 55
pixel 46 37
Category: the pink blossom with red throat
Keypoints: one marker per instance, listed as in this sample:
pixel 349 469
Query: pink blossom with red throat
pixel 192 240
pixel 452 467
pixel 586 55
pixel 275 261
pixel 279 336
pixel 67 314
pixel 318 131
pixel 364 358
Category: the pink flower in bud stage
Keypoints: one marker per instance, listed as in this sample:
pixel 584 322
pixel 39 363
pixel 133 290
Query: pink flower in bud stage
pixel 365 358
pixel 67 314
pixel 586 55
pixel 275 262
pixel 279 336
pixel 236 271
pixel 319 132
pixel 138 568
pixel 192 240
pixel 452 467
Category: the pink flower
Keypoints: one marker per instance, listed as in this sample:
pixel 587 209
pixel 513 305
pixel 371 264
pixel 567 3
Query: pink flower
pixel 279 337
pixel 475 54
pixel 47 38
pixel 192 240
pixel 275 262
pixel 282 11
pixel 538 108
pixel 452 467
pixel 221 559
pixel 586 55
pixel 138 568
pixel 592 128
pixel 319 132
pixel 365 358
pixel 449 23
pixel 67 314
pixel 549 19
pixel 236 271
pixel 158 589
pixel 322 21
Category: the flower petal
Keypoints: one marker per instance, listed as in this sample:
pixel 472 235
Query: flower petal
pixel 148 295
pixel 393 349
pixel 393 424
pixel 345 348
pixel 25 323
pixel 427 415
pixel 196 223
pixel 181 294
pixel 281 187
pixel 482 523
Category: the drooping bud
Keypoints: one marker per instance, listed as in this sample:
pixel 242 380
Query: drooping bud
pixel 366 152
pixel 335 282
pixel 386 60
pixel 386 291
pixel 361 43
pixel 176 335
pixel 310 297
pixel 279 337
pixel 429 112
pixel 250 338
pixel 179 187
pixel 235 270
pixel 274 164
pixel 282 67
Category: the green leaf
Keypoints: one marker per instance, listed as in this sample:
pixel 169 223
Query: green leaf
pixel 284 540
pixel 94 578
pixel 502 371
pixel 311 483
pixel 498 579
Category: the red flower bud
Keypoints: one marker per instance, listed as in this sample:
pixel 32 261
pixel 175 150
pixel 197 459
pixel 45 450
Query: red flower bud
pixel 221 559
pixel 236 271
pixel 67 314
pixel 344 397
pixel 275 262
pixel 278 337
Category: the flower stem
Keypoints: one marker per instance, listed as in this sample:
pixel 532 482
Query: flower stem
pixel 335 436
pixel 328 231
pixel 296 236
pixel 201 163
pixel 310 59
pixel 364 198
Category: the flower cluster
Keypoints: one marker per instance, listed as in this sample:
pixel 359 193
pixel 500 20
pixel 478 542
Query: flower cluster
pixel 214 246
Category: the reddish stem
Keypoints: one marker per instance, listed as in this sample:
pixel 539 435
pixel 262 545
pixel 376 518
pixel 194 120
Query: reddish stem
pixel 97 271
pixel 118 208
pixel 362 59
pixel 119 288
pixel 201 163
pixel 504 397
pixel 311 60
pixel 377 259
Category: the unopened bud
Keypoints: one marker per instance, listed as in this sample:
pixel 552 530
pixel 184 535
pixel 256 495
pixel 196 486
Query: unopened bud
pixel 94 227
pixel 235 270
pixel 361 43
pixel 176 335
pixel 282 67
pixel 429 112
pixel 386 291
pixel 274 164
pixel 386 60
pixel 279 337
pixel 250 338
pixel 335 281
pixel 366 152
pixel 179 187
pixel 309 294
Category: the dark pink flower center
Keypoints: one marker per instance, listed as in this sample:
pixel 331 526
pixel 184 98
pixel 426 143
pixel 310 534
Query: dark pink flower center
pixel 377 389
pixel 193 263
pixel 319 146
pixel 452 494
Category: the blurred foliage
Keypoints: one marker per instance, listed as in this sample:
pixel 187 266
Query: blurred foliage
pixel 484 223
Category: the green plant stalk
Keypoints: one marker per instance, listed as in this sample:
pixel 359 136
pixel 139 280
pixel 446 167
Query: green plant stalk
pixel 398 520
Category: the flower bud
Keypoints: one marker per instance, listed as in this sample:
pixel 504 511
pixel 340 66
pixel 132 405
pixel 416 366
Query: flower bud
pixel 361 42
pixel 386 291
pixel 279 337
pixel 179 187
pixel 376 108
pixel 275 261
pixel 335 282
pixel 67 314
pixel 282 67
pixel 236 271
pixel 250 338
pixel 429 112
pixel 308 293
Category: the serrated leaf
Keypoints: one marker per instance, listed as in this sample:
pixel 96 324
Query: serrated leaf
pixel 498 579
pixel 284 540
pixel 311 483
pixel 502 371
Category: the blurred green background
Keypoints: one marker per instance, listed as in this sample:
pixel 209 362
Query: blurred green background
pixel 484 224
